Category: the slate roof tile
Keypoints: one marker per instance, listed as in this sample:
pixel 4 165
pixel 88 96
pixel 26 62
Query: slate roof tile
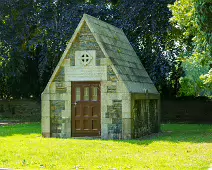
pixel 122 55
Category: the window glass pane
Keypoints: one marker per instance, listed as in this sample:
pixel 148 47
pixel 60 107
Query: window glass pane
pixel 86 93
pixel 94 93
pixel 78 94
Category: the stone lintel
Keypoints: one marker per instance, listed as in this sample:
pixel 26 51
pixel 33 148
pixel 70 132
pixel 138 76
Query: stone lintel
pixel 138 96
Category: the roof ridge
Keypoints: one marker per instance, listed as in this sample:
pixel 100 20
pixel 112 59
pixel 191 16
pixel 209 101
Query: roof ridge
pixel 97 19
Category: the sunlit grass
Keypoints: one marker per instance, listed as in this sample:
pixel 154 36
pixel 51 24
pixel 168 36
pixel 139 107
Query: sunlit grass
pixel 179 147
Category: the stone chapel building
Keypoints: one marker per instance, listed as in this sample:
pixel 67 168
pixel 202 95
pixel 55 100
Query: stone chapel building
pixel 99 88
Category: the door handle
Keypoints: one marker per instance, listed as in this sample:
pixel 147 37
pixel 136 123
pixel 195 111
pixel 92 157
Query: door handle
pixel 74 103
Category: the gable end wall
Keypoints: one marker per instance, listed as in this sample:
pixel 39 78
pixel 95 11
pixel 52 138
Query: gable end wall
pixel 116 100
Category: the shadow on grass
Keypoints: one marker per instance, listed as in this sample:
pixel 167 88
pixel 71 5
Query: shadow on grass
pixel 175 133
pixel 19 129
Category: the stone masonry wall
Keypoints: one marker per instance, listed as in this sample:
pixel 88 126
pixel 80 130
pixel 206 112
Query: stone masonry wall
pixel 85 41
pixel 186 110
pixel 111 77
pixel 57 106
pixel 59 81
pixel 114 112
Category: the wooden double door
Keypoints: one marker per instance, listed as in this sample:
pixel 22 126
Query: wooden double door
pixel 86 112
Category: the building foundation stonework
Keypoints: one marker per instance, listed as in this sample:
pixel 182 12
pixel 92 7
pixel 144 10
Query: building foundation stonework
pixel 99 88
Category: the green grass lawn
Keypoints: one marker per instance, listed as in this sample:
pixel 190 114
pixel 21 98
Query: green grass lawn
pixel 180 146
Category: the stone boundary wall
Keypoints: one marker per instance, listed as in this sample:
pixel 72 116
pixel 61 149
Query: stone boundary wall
pixel 20 109
pixel 186 110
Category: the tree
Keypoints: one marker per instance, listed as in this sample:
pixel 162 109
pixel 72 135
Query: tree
pixel 15 30
pixel 191 84
pixel 34 35
pixel 192 22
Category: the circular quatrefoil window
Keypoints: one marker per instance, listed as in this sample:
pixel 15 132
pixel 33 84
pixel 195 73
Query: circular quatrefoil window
pixel 85 59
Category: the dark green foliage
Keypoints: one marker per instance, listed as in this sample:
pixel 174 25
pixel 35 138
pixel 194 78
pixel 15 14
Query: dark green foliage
pixel 34 35
pixel 192 22
pixel 204 15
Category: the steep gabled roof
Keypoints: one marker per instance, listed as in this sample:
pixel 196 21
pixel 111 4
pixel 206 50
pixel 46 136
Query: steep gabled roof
pixel 115 45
